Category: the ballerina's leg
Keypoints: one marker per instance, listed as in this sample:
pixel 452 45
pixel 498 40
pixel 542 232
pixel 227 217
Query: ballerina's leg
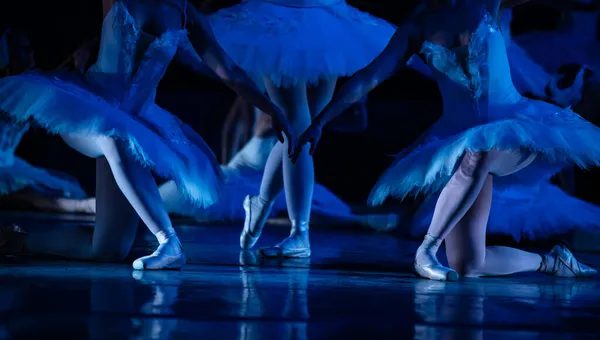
pixel 466 244
pixel 298 178
pixel 138 186
pixel 457 197
pixel 113 235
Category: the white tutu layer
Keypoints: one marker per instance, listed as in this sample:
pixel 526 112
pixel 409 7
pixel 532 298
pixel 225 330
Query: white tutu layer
pixel 301 42
pixel 114 101
pixel 230 208
pixel 559 137
pixel 21 175
pixel 527 212
pixel 164 143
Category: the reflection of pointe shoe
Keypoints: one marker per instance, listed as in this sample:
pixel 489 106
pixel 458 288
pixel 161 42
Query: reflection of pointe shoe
pixel 248 258
pixel 296 245
pixel 257 212
pixel 565 264
pixel 426 264
pixel 169 255
pixel 12 240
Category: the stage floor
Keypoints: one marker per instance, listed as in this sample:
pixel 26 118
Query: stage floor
pixel 357 285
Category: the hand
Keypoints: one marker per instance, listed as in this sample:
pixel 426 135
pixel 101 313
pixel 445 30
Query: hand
pixel 284 131
pixel 312 136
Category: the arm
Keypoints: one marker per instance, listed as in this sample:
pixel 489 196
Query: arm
pixel 364 81
pixel 187 56
pixel 205 44
pixel 353 121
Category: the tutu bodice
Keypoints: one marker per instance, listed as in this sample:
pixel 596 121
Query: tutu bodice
pixel 480 82
pixel 483 111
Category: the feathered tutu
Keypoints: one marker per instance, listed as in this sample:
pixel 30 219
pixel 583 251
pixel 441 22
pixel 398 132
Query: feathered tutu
pixel 115 101
pixel 300 41
pixel 16 174
pixel 483 112
pixel 21 175
pixel 531 212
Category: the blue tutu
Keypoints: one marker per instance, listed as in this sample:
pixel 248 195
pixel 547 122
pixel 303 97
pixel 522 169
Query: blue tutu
pixel 115 100
pixel 483 111
pixel 300 41
pixel 530 212
pixel 16 174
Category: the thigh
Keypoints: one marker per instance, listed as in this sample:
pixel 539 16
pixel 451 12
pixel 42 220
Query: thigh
pixel 90 146
pixel 293 101
pixel 320 95
pixel 507 162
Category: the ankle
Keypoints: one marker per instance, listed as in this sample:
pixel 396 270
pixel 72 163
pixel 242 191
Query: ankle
pixel 547 263
pixel 163 236
pixel 299 228
pixel 261 201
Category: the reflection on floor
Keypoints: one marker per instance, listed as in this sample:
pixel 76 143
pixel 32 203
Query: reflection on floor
pixel 357 285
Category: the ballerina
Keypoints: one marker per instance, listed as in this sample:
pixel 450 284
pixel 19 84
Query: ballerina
pixel 488 132
pixel 20 182
pixel 110 114
pixel 251 161
pixel 297 49
pixel 537 210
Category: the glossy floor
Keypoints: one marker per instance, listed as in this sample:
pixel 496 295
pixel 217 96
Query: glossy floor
pixel 357 285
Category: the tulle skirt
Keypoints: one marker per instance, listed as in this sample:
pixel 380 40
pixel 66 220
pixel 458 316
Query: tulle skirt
pixel 533 212
pixel 230 209
pixel 295 42
pixel 21 175
pixel 71 105
pixel 558 136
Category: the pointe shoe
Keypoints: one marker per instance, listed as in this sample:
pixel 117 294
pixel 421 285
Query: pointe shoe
pixel 427 266
pixel 297 245
pixel 12 240
pixel 257 213
pixel 565 264
pixel 161 259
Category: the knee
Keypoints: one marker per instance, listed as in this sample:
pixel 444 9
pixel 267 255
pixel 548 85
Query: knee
pixel 113 254
pixel 468 265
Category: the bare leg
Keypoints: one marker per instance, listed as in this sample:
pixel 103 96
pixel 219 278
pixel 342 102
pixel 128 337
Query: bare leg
pixel 54 204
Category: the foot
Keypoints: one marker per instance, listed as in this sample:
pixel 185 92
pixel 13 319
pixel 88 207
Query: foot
pixel 296 245
pixel 426 264
pixel 561 262
pixel 12 240
pixel 257 212
pixel 169 255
